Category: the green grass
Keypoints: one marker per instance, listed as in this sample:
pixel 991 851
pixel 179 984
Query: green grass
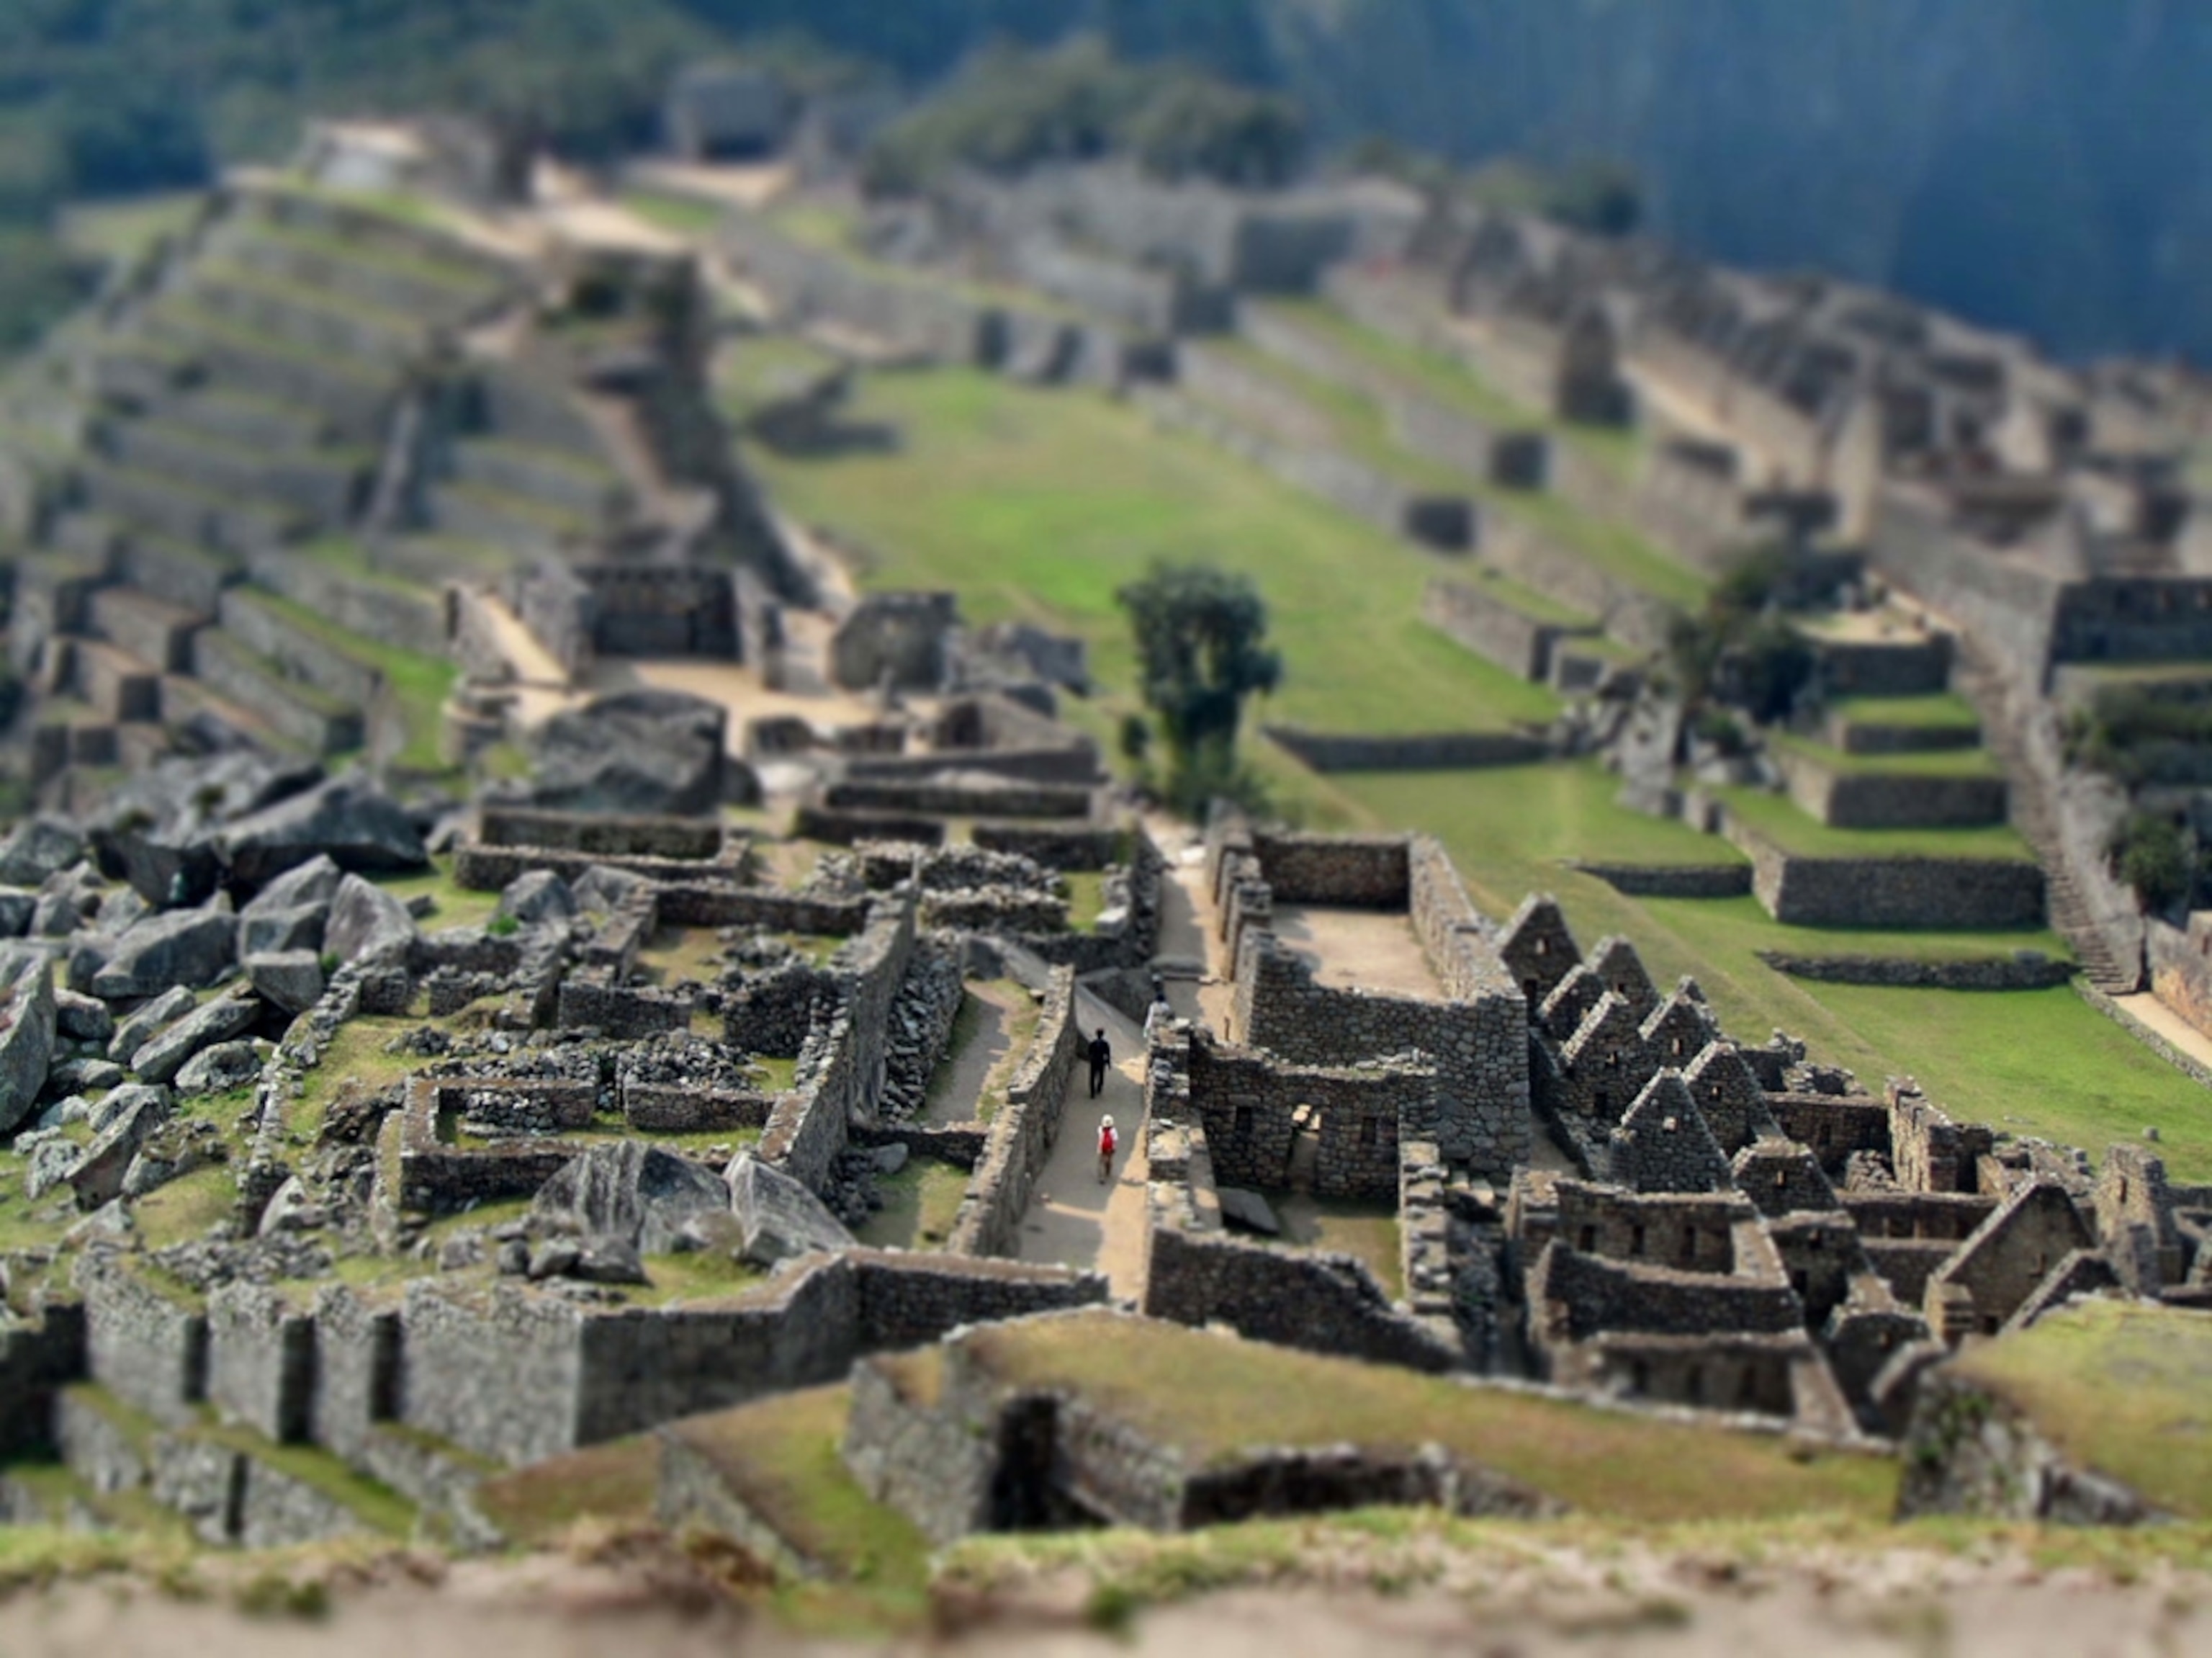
pixel 375 1505
pixel 702 1278
pixel 118 232
pixel 356 1056
pixel 1203 1394
pixel 920 1205
pixel 1086 899
pixel 616 1482
pixel 2119 1387
pixel 1038 505
pixel 186 1208
pixel 1938 763
pixel 419 685
pixel 1944 712
pixel 757 370
pixel 1519 596
pixel 779 1458
pixel 2040 1062
pixel 1776 818
pixel 458 906
pixel 680 215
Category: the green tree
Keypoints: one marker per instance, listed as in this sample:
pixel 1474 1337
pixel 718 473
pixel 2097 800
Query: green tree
pixel 2152 854
pixel 1201 635
pixel 1195 127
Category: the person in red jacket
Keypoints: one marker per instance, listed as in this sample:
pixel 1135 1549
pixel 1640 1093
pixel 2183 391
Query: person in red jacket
pixel 1107 1146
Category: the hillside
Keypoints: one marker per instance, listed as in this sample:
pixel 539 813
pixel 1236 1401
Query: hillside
pixel 2040 168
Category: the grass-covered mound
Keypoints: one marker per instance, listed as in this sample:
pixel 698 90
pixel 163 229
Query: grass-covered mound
pixel 2122 1388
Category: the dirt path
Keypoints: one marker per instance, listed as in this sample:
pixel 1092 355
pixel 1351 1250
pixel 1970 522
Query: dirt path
pixel 1072 1220
pixel 987 1051
pixel 1540 1603
pixel 2154 1016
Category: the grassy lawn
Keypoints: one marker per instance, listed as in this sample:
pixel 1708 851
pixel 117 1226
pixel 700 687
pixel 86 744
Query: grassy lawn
pixel 1944 712
pixel 1778 820
pixel 1368 1232
pixel 1519 596
pixel 1198 1393
pixel 1038 505
pixel 458 906
pixel 2121 1388
pixel 920 1203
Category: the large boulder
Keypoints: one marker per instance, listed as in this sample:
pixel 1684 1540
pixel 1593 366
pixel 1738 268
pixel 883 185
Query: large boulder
pixel 38 848
pixel 366 921
pixel 290 913
pixel 27 1033
pixel 133 1032
pixel 82 1018
pixel 636 751
pixel 537 896
pixel 159 830
pixel 347 820
pixel 219 1019
pixel 193 948
pixel 17 906
pixel 97 1176
pixel 218 1069
pixel 778 1218
pixel 630 1192
pixel 292 979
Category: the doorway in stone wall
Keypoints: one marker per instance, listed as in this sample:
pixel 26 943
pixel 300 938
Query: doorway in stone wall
pixel 1305 1149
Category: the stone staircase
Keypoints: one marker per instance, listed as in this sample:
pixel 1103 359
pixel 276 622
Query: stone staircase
pixel 2037 821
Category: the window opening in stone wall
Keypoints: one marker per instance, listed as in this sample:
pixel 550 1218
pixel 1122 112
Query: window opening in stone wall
pixel 1639 1376
pixel 1587 1242
pixel 1746 1386
pixel 1242 1126
pixel 1603 1100
pixel 1635 1240
pixel 1689 1253
pixel 1529 988
pixel 1693 1385
pixel 1370 1132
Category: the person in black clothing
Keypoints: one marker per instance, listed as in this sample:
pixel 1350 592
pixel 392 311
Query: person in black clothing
pixel 1101 1057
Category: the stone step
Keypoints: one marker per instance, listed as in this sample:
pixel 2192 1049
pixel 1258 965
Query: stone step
pixel 318 321
pixel 179 508
pixel 116 685
pixel 355 270
pixel 324 486
pixel 515 524
pixel 244 417
pixel 311 718
pixel 184 698
pixel 435 560
pixel 178 571
pixel 559 478
pixel 261 625
pixel 355 400
pixel 146 625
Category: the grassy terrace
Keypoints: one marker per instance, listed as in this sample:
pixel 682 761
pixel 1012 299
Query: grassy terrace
pixel 419 684
pixel 2119 1387
pixel 1197 1392
pixel 1947 712
pixel 1937 762
pixel 1037 505
pixel 119 231
pixel 755 370
pixel 1362 430
pixel 1452 382
pixel 1518 595
pixel 1780 821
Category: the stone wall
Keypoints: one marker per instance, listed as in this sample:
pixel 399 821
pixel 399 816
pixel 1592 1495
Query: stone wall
pixel 381 610
pixel 2012 973
pixel 1850 798
pixel 1023 1133
pixel 1323 1303
pixel 146 1346
pixel 1486 620
pixel 602 835
pixel 1943 894
pixel 1445 751
pixel 261 1361
pixel 840 1073
pixel 1446 523
pixel 1249 1104
pixel 1968 1452
pixel 1672 880
pixel 1349 871
pixel 1562 574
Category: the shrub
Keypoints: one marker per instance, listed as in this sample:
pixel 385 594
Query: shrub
pixel 2153 856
